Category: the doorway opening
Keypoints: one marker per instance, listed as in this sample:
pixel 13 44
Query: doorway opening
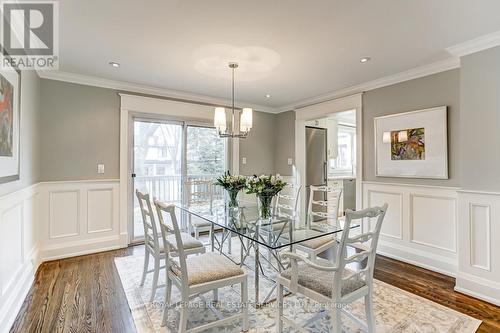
pixel 331 156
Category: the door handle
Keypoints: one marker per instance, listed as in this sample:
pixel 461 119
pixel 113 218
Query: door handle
pixel 134 175
pixel 325 171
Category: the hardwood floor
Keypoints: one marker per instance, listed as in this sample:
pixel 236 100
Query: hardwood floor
pixel 84 294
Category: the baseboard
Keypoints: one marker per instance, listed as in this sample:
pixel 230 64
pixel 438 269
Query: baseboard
pixel 430 261
pixel 80 248
pixel 18 292
pixel 480 288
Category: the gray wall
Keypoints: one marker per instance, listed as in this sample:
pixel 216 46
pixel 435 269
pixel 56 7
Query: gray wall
pixel 426 92
pixel 80 127
pixel 29 158
pixel 258 147
pixel 284 139
pixel 480 125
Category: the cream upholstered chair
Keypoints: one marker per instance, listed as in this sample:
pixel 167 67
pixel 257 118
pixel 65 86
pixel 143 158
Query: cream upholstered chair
pixel 337 285
pixel 285 205
pixel 316 246
pixel 153 245
pixel 198 274
pixel 198 192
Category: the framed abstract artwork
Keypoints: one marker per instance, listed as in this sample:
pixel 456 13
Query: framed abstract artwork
pixel 412 144
pixel 10 124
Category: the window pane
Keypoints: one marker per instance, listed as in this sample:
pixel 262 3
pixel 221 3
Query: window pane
pixel 206 152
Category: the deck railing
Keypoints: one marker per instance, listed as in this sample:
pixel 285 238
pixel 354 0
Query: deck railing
pixel 169 188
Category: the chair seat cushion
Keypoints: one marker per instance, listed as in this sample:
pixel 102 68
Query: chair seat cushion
pixel 188 242
pixel 207 267
pixel 322 282
pixel 199 223
pixel 312 243
pixel 318 242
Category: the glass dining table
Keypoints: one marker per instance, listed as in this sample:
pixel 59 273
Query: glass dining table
pixel 273 234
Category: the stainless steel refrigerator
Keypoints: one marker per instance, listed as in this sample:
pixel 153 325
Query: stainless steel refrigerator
pixel 316 162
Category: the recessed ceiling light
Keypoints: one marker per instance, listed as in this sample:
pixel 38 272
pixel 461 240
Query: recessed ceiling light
pixel 114 64
pixel 365 59
pixel 268 96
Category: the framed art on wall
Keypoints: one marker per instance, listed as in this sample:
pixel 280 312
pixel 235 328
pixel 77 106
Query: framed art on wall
pixel 10 123
pixel 412 144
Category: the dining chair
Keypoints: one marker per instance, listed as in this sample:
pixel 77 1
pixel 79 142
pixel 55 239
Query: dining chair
pixel 285 206
pixel 328 199
pixel 199 274
pixel 336 286
pixel 156 249
pixel 201 192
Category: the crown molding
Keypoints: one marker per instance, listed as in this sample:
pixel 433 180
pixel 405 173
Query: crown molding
pixel 437 67
pixel 145 89
pixel 475 45
pixel 415 73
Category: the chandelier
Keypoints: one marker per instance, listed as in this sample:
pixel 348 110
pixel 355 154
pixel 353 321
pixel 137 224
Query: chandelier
pixel 245 118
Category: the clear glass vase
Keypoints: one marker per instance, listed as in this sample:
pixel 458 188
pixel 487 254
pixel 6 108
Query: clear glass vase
pixel 265 211
pixel 233 198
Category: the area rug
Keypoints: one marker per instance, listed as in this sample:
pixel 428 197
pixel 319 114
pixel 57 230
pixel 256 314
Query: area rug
pixel 396 310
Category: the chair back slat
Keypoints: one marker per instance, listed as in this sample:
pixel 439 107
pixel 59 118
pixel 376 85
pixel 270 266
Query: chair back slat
pixel 286 202
pixel 364 258
pixel 173 226
pixel 165 228
pixel 199 192
pixel 148 220
pixel 331 205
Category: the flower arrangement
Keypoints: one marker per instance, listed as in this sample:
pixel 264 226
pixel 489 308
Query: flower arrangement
pixel 232 184
pixel 265 187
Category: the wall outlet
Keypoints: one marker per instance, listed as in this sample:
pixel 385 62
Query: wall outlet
pixel 243 160
pixel 100 168
pixel 290 161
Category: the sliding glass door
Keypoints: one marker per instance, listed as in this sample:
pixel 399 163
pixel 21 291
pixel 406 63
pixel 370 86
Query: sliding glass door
pixel 166 154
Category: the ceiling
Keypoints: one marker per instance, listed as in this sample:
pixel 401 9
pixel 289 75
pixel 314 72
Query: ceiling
pixel 290 49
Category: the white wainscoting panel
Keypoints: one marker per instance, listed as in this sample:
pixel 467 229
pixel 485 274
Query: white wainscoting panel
pixel 420 226
pixel 433 221
pixel 79 217
pixel 479 239
pixel 480 235
pixel 100 210
pixel 64 214
pixel 18 251
pixel 393 222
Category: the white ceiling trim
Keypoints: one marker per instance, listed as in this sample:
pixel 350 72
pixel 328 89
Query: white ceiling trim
pixel 144 89
pixel 415 73
pixel 475 45
pixel 437 67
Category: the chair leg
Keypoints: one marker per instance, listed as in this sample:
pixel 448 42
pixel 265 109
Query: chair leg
pixel 168 295
pixel 279 321
pixel 370 318
pixel 216 295
pixel 336 320
pixel 184 314
pixel 146 266
pixel 196 233
pixel 229 242
pixel 155 279
pixel 244 304
pixel 190 225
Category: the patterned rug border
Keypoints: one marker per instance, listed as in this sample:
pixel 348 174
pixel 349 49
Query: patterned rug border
pixel 142 307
